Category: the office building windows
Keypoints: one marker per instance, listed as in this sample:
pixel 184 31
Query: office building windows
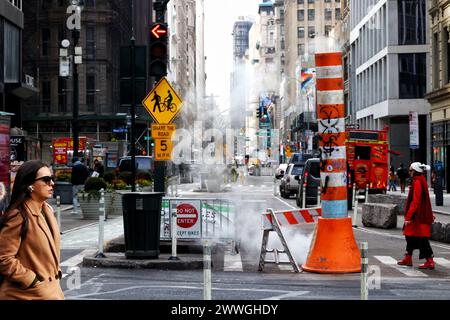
pixel 412 75
pixel 411 22
pixel 311 14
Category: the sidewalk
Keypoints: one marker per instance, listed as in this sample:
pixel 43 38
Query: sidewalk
pixel 68 220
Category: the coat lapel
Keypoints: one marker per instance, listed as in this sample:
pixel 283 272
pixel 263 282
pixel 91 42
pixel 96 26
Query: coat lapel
pixel 47 228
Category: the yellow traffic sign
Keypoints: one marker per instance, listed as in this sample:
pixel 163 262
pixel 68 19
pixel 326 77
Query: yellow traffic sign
pixel 163 149
pixel 163 131
pixel 163 103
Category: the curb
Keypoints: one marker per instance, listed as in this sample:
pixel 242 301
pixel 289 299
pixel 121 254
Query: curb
pixel 118 260
pixel 441 212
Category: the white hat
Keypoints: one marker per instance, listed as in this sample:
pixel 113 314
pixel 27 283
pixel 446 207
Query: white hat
pixel 419 167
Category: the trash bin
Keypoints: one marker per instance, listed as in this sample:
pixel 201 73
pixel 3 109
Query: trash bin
pixel 141 222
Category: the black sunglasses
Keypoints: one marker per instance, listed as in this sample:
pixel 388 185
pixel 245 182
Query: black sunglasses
pixel 46 179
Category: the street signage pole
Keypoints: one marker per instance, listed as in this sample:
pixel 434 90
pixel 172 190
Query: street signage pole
pixel 133 115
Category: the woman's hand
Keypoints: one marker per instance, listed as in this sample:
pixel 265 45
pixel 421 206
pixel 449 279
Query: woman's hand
pixel 407 222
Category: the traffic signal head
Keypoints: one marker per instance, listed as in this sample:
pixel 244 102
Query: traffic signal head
pixel 158 50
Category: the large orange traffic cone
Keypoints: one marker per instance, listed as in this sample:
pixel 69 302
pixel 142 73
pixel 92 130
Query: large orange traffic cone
pixel 333 248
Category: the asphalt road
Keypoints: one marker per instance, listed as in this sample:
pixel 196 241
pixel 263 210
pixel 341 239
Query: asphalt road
pixel 235 276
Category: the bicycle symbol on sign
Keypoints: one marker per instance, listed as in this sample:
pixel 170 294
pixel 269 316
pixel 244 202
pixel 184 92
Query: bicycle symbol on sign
pixel 166 105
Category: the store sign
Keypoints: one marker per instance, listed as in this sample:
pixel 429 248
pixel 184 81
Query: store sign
pixel 59 151
pixel 413 130
pixel 17 144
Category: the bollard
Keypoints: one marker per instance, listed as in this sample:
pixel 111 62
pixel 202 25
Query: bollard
pixel 304 196
pixel 318 196
pixel 364 271
pixel 58 212
pixel 274 186
pixel 101 225
pixel 206 271
pixel 367 193
pixel 174 235
pixel 355 206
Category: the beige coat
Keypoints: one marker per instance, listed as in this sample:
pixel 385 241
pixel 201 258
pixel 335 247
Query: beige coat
pixel 37 254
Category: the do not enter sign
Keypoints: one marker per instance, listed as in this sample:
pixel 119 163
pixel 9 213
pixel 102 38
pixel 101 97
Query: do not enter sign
pixel 187 215
pixel 188 218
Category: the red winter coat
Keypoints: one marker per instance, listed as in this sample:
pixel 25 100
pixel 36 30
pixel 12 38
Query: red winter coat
pixel 418 209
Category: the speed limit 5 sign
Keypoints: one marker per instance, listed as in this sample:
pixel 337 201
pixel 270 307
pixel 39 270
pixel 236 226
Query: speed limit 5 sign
pixel 163 149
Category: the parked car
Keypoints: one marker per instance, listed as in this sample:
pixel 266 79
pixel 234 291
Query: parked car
pixel 143 163
pixel 299 158
pixel 310 180
pixel 288 184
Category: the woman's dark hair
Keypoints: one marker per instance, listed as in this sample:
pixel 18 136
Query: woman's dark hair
pixel 26 175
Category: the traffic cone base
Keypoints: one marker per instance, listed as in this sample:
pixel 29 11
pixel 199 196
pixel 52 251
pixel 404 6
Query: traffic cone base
pixel 333 248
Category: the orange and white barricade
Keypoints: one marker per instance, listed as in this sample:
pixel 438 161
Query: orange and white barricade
pixel 272 221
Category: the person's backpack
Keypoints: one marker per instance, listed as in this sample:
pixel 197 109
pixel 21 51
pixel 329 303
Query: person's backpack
pixel 23 231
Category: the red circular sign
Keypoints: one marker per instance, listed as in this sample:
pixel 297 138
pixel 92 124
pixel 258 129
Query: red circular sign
pixel 187 215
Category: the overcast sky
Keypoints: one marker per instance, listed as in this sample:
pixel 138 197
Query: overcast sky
pixel 219 19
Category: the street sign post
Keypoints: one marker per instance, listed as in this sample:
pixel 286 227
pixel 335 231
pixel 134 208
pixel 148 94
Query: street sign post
pixel 163 102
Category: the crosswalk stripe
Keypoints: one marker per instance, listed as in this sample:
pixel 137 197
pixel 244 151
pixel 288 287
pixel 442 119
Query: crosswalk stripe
pixel 77 259
pixel 405 270
pixel 442 261
pixel 232 262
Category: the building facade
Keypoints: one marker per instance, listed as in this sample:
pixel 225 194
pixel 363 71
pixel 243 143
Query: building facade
pixel 439 93
pixel 389 53
pixel 306 21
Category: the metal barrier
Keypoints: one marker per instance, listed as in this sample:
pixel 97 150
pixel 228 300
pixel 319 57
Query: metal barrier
pixel 203 218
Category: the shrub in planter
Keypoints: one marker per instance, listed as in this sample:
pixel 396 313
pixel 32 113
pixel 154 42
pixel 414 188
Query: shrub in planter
pixel 63 177
pixel 117 184
pixel 93 185
pixel 144 182
pixel 126 176
pixel 144 175
pixel 109 176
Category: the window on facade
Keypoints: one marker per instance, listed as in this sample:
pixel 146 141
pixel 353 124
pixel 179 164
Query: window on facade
pixel 46 96
pixel 301 15
pixel 11 56
pixel 412 75
pixel 327 30
pixel 90 92
pixel 90 42
pixel 327 1
pixel 411 22
pixel 310 1
pixel 300 1
pixel 301 32
pixel 311 14
pixel 301 49
pixel 328 14
pixel 62 94
pixel 45 42
pixel 311 31
pixel 337 14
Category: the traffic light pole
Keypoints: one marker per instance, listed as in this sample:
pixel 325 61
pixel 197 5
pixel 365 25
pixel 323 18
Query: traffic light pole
pixel 160 166
pixel 133 115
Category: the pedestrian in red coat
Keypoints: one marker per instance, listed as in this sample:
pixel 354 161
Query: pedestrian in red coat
pixel 418 218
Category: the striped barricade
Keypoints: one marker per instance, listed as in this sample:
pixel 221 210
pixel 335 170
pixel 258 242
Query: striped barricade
pixel 272 221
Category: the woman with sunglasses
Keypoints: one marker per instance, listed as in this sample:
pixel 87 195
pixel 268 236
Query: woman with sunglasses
pixel 30 238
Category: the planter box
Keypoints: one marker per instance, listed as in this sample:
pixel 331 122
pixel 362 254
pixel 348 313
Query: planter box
pixel 64 190
pixel 90 206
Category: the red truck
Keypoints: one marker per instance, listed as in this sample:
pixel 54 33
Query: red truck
pixel 367 157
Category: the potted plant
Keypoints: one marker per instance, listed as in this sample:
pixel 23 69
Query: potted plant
pixel 144 185
pixel 115 189
pixel 90 197
pixel 63 187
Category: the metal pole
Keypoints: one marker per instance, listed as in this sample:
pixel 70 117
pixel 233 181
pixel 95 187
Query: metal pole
pixel 206 271
pixel 355 206
pixel 133 115
pixel 318 196
pixel 367 193
pixel 75 111
pixel 58 212
pixel 174 233
pixel 364 271
pixel 101 226
pixel 304 196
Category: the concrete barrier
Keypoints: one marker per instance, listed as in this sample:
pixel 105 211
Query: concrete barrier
pixel 397 199
pixel 379 215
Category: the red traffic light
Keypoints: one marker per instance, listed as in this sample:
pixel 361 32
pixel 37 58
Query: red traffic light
pixel 158 31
